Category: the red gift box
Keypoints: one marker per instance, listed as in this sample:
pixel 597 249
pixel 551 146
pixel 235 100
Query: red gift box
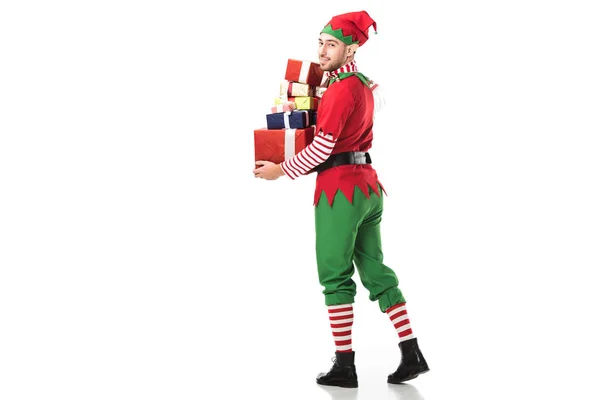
pixel 278 145
pixel 303 72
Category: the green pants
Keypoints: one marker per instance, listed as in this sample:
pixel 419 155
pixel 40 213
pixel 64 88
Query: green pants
pixel 350 233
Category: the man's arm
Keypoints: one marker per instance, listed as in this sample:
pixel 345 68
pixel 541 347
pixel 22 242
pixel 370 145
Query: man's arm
pixel 312 155
pixel 335 108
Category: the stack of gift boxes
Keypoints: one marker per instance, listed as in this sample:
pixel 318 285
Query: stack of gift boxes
pixel 292 119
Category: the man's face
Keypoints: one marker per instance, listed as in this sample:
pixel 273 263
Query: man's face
pixel 332 52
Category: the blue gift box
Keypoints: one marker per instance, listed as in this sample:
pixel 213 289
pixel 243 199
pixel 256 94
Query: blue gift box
pixel 296 119
pixel 312 117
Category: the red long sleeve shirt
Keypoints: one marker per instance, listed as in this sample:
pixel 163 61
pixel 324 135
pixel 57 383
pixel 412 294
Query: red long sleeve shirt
pixel 344 123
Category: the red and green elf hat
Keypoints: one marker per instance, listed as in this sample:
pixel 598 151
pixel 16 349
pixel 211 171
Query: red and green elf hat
pixel 350 28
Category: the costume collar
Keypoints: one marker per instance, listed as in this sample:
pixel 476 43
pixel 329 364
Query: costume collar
pixel 349 67
pixel 347 70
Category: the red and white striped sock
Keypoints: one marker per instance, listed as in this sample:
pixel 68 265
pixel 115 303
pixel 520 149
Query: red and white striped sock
pixel 341 318
pixel 399 317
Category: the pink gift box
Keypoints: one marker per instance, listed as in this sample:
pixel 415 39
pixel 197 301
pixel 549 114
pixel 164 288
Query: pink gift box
pixel 287 106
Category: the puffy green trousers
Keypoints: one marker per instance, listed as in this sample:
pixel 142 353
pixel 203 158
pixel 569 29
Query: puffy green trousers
pixel 347 235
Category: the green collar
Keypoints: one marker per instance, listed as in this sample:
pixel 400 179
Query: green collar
pixel 344 75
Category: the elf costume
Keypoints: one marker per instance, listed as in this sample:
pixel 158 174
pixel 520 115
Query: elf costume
pixel 348 202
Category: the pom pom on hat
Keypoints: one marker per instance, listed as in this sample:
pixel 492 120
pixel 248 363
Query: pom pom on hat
pixel 350 28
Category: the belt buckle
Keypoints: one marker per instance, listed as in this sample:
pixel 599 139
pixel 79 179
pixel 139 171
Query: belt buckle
pixel 358 157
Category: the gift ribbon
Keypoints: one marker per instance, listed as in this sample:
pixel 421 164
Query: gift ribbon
pixel 284 87
pixel 286 119
pixel 290 143
pixel 304 70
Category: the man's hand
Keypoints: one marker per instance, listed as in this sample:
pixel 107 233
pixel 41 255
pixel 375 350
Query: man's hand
pixel 268 170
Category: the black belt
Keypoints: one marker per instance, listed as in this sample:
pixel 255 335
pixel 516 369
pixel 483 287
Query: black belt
pixel 350 157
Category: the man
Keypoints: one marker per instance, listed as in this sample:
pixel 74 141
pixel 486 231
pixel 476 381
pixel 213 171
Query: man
pixel 348 202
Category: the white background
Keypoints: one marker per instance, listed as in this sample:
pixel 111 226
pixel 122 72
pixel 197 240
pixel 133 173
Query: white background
pixel 140 258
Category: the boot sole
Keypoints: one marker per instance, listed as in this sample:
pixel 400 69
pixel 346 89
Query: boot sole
pixel 408 378
pixel 343 385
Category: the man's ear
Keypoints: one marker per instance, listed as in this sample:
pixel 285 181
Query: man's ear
pixel 351 49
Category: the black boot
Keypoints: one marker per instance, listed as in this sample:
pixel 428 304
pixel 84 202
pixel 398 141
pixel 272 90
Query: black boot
pixel 412 364
pixel 342 373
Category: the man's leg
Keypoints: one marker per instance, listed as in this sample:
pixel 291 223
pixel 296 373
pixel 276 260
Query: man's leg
pixel 382 284
pixel 336 228
pixel 379 279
